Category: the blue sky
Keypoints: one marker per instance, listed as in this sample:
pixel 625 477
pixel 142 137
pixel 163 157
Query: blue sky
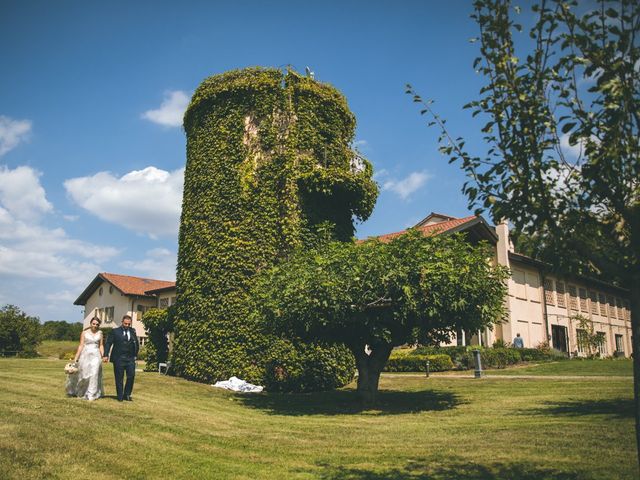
pixel 91 94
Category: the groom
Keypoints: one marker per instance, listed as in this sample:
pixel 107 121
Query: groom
pixel 123 356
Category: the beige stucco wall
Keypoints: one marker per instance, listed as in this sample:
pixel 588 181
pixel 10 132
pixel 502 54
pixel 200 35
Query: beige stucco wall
pixel 167 298
pixel 525 303
pixel 605 308
pixel 123 305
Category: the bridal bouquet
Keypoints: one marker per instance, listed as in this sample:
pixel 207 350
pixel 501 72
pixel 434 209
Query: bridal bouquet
pixel 71 368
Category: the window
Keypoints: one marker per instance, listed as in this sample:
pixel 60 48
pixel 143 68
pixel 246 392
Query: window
pixel 602 343
pixel 141 309
pixel 603 304
pixel 110 288
pixel 583 300
pixel 611 302
pixel 519 280
pixel 573 300
pixel 100 291
pixel 581 337
pixel 619 343
pixel 548 292
pixel 105 314
pixel 533 287
pixel 562 301
pixel 164 302
pixel 627 310
pixel 594 302
pixel 619 309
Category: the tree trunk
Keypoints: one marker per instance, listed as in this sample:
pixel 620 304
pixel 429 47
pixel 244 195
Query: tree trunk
pixel 635 332
pixel 369 369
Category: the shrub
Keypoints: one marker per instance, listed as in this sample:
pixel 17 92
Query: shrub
pixel 499 357
pixel 410 362
pixel 307 367
pixel 19 333
pixel 158 323
pixel 68 355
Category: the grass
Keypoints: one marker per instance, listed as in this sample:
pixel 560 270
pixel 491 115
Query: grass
pixel 426 429
pixel 55 348
pixel 574 367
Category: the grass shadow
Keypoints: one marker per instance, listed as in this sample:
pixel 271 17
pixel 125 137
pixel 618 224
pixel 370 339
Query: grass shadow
pixel 621 408
pixel 423 470
pixel 345 402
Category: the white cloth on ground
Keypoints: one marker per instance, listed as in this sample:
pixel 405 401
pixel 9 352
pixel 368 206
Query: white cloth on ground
pixel 238 385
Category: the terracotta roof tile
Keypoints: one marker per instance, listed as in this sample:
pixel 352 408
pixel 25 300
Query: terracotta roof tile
pixel 432 229
pixel 135 285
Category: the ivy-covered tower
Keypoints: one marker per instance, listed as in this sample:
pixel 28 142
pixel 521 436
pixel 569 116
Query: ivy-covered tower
pixel 269 168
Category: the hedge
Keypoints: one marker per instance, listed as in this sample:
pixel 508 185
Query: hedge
pixel 463 357
pixel 403 362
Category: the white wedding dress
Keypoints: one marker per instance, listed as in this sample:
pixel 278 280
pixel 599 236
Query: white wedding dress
pixel 87 381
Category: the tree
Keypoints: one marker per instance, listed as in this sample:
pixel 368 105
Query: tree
pixel 373 296
pixel 19 333
pixel 61 330
pixel 588 338
pixel 563 121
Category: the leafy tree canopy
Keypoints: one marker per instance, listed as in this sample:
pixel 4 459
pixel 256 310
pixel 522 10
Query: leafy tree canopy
pixel 372 296
pixel 19 333
pixel 61 330
pixel 562 110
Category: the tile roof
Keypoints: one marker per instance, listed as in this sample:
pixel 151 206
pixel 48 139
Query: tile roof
pixel 432 229
pixel 127 284
pixel 135 285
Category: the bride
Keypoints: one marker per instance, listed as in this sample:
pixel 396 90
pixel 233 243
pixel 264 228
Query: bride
pixel 87 381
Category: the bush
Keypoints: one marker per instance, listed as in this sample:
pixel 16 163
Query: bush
pixel 158 323
pixel 307 367
pixel 399 361
pixel 68 355
pixel 498 357
pixel 19 333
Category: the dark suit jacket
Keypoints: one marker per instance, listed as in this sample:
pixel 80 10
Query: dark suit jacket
pixel 124 351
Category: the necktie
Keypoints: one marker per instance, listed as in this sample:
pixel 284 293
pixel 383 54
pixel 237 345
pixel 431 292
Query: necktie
pixel 126 333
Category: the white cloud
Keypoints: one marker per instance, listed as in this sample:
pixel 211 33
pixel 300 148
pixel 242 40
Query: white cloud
pixel 12 132
pixel 159 263
pixel 380 174
pixel 62 296
pixel 147 201
pixel 21 193
pixel 29 250
pixel 171 109
pixel 408 185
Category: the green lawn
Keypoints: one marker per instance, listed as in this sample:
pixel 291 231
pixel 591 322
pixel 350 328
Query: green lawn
pixel 54 348
pixel 619 367
pixel 427 429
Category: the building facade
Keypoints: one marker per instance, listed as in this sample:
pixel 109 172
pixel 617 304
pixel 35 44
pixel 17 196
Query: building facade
pixel 110 296
pixel 543 307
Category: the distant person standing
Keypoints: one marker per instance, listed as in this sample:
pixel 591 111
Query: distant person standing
pixel 123 356
pixel 518 342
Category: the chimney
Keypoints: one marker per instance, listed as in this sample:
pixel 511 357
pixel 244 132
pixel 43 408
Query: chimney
pixel 504 245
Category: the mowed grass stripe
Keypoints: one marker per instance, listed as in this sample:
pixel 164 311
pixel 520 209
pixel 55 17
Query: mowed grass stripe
pixel 423 428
